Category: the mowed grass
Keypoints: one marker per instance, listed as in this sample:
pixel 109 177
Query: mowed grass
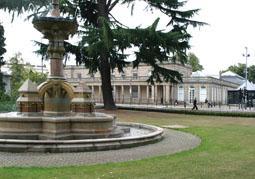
pixel 227 151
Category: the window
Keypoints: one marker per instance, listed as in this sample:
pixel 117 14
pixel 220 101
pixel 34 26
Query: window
pixel 135 75
pixel 180 93
pixel 123 75
pixel 134 91
pixel 203 94
pixel 191 94
pixel 79 75
pixel 150 92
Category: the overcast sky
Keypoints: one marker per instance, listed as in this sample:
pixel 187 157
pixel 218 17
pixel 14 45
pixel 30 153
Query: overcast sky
pixel 218 45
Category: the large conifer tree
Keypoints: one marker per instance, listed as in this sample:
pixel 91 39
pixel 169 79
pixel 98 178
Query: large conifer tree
pixel 104 39
pixel 2 62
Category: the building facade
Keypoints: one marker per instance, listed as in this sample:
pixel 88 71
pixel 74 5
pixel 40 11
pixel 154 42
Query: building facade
pixel 132 87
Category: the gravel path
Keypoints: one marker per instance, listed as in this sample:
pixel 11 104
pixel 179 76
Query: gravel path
pixel 174 141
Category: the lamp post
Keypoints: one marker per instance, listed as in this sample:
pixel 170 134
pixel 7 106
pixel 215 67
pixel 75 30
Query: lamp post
pixel 246 55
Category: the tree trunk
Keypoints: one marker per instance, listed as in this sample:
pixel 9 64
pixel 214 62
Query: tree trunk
pixel 105 72
pixel 104 67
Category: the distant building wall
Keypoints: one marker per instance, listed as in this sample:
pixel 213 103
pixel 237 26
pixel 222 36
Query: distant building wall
pixel 131 86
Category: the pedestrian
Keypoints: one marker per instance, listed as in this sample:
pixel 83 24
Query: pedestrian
pixel 195 104
pixel 206 101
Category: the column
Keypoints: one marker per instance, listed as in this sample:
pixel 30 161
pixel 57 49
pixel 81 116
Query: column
pixel 93 92
pixel 114 93
pixel 139 93
pixel 156 93
pixel 100 93
pixel 167 93
pixel 164 94
pixel 153 92
pixel 171 94
pixel 147 92
pixel 122 93
pixel 130 93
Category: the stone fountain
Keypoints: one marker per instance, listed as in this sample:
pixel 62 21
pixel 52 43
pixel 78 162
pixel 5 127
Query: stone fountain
pixel 55 116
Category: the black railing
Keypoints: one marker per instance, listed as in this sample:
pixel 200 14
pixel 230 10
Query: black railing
pixel 178 104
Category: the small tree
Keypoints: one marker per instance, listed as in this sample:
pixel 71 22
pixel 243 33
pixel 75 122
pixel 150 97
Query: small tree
pixel 33 75
pixel 194 62
pixel 20 73
pixel 17 70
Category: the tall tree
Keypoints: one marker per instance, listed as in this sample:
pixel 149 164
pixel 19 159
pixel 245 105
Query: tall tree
pixel 240 70
pixel 2 62
pixel 2 46
pixel 251 73
pixel 193 60
pixel 105 39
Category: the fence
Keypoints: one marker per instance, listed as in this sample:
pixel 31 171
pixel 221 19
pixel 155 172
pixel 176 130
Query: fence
pixel 174 103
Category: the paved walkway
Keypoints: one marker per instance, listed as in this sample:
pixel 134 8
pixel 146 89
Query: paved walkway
pixel 217 108
pixel 173 142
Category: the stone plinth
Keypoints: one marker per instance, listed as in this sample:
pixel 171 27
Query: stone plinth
pixel 29 100
pixel 82 103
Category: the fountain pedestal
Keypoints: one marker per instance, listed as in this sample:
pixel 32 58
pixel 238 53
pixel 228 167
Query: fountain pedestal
pixel 55 109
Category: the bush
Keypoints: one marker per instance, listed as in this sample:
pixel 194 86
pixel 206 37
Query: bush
pixel 7 106
pixel 4 97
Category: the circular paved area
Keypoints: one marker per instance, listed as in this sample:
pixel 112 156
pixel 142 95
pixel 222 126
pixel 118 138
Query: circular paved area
pixel 174 141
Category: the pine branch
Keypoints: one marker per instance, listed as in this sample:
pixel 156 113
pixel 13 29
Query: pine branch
pixel 116 21
pixel 113 5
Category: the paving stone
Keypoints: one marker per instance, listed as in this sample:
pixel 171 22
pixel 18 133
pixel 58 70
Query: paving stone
pixel 173 142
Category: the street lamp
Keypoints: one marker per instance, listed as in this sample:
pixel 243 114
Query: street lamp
pixel 246 55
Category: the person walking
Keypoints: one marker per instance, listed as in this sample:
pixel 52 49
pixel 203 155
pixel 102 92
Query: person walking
pixel 195 104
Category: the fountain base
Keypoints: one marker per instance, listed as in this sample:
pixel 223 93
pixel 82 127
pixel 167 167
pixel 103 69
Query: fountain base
pixel 43 127
pixel 91 132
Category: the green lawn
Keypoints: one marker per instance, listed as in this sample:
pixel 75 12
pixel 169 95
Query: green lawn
pixel 227 151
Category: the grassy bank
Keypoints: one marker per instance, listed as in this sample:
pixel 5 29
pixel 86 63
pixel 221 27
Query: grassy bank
pixel 227 151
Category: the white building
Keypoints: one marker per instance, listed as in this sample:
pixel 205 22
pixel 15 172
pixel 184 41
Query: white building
pixel 131 86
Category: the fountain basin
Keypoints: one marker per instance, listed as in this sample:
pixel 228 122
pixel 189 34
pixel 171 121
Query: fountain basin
pixel 49 25
pixel 140 134
pixel 38 126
